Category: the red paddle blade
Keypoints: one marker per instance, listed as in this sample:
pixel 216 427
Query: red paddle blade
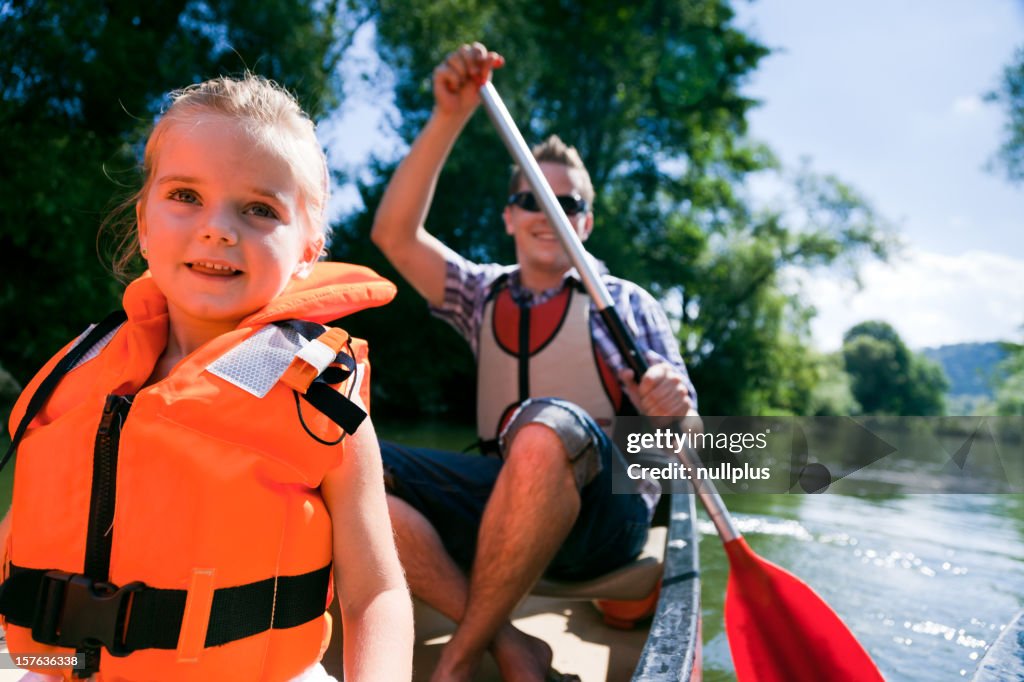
pixel 780 630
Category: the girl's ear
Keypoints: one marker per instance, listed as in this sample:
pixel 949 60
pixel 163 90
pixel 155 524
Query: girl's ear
pixel 314 249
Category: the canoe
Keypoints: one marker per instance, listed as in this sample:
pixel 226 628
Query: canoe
pixel 1004 660
pixel 666 648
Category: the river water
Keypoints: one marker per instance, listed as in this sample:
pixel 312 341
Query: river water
pixel 925 581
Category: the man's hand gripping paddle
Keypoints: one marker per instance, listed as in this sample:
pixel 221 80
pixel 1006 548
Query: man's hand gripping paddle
pixel 779 629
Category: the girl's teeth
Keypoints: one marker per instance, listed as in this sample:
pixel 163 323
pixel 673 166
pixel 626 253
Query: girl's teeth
pixel 214 268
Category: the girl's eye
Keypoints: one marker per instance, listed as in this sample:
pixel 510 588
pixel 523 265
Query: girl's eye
pixel 262 211
pixel 185 196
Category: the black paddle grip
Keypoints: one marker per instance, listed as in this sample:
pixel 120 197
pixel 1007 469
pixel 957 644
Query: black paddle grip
pixel 625 342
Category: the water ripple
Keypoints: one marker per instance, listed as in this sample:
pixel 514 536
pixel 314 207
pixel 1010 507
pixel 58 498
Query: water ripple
pixel 757 525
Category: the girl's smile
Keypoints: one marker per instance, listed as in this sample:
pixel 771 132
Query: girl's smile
pixel 213 268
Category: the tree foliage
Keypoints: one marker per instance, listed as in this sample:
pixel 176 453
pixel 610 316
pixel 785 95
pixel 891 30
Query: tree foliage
pixel 1010 390
pixel 80 85
pixel 886 377
pixel 651 94
pixel 832 395
pixel 1010 95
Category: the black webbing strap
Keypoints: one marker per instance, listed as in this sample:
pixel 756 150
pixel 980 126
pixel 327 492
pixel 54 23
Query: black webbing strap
pixel 155 616
pixel 337 407
pixel 39 398
pixel 487 446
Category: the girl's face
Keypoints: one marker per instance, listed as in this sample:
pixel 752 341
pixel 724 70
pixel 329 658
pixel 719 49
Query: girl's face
pixel 222 223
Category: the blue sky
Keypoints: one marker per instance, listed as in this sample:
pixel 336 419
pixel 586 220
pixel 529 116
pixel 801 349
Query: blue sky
pixel 888 96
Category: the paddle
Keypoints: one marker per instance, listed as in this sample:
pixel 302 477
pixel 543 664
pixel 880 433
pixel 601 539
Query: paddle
pixel 779 629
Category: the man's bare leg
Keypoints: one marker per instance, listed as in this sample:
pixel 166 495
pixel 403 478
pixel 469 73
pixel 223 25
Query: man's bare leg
pixel 433 575
pixel 435 578
pixel 531 511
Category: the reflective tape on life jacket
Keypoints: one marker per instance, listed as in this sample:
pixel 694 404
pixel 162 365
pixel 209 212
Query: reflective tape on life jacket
pixel 544 350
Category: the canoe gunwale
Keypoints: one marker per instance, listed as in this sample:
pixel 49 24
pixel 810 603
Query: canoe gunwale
pixel 1004 659
pixel 670 652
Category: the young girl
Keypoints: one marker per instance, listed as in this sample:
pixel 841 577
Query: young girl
pixel 192 470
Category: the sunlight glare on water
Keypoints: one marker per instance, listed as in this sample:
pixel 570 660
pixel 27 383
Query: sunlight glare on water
pixel 925 582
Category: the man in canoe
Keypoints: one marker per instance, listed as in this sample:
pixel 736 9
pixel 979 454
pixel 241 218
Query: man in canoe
pixel 475 533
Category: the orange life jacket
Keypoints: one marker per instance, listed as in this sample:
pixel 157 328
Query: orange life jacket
pixel 181 524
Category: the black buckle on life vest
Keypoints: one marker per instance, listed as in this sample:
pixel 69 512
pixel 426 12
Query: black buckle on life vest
pixel 75 611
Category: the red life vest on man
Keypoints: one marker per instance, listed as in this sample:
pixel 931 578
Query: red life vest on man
pixel 544 350
pixel 181 523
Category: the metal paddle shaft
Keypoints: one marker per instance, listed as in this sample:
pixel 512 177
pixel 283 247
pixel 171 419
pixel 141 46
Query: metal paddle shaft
pixel 625 342
pixel 779 629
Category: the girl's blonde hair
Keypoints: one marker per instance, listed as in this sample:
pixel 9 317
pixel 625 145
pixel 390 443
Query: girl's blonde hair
pixel 270 114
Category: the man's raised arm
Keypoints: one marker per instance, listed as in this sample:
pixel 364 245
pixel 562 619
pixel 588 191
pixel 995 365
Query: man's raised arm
pixel 398 229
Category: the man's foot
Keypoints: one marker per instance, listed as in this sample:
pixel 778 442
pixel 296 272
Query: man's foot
pixel 521 657
pixel 451 668
pixel 555 676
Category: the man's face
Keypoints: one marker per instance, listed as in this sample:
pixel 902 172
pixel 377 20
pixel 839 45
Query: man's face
pixel 537 247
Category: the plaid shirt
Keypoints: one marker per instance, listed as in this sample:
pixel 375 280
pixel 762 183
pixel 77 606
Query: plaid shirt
pixel 468 284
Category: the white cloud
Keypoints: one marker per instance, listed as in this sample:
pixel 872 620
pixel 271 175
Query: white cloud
pixel 931 299
pixel 967 105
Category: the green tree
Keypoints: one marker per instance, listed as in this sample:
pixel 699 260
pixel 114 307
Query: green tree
pixel 927 388
pixel 651 94
pixel 753 355
pixel 1010 396
pixel 1010 390
pixel 886 377
pixel 80 84
pixel 1010 95
pixel 832 395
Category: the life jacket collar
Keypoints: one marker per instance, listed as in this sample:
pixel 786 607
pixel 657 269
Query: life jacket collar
pixel 330 292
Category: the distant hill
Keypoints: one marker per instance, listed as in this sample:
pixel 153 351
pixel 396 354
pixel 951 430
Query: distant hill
pixel 971 367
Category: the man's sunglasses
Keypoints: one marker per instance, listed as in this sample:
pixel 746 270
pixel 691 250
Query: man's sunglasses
pixel 570 203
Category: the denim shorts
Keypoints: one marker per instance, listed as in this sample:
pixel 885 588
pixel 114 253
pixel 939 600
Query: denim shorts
pixel 451 490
